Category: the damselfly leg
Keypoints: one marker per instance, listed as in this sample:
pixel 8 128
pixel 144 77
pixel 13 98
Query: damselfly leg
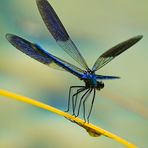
pixel 81 99
pixel 94 94
pixel 69 96
pixel 84 103
pixel 74 99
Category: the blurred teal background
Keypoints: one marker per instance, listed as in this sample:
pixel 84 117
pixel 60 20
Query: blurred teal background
pixel 95 26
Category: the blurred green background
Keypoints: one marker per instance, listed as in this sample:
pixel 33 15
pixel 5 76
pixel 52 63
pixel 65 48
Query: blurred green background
pixel 95 26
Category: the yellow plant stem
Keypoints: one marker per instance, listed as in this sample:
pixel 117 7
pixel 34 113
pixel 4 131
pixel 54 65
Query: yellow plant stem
pixel 91 129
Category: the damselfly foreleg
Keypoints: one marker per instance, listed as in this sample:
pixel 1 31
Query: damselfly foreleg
pixel 94 94
pixel 84 103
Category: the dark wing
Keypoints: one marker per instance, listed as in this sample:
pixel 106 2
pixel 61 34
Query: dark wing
pixel 36 52
pixel 114 52
pixel 58 31
pixel 101 77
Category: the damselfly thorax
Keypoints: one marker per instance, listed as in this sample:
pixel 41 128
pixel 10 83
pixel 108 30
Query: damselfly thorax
pixel 90 80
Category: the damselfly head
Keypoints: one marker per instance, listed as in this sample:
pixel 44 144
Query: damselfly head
pixel 100 85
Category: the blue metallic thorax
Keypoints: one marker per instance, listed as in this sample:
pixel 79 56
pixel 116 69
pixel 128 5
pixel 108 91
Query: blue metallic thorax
pixel 90 79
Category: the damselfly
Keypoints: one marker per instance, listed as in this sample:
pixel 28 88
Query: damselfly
pixel 91 80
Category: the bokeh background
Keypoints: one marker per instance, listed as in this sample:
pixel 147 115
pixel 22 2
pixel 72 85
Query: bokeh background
pixel 95 26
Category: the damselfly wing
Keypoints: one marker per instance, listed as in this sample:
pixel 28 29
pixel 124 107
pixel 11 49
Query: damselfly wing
pixel 91 80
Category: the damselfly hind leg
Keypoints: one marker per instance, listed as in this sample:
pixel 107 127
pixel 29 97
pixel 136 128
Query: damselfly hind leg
pixel 73 104
pixel 69 96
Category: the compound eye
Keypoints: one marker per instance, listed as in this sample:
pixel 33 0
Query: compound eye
pixel 102 85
